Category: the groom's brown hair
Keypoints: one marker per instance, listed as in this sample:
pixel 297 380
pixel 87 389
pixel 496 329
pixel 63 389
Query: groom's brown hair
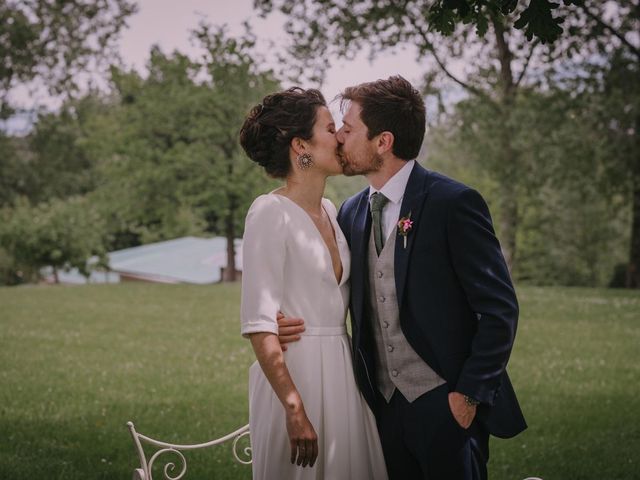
pixel 391 105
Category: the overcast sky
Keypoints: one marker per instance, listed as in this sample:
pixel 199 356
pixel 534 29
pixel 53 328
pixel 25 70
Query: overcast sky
pixel 168 22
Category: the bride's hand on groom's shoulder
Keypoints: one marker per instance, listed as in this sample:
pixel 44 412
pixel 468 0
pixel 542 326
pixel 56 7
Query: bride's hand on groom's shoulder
pixel 302 438
pixel 289 329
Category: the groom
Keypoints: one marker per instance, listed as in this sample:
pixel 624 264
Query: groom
pixel 433 309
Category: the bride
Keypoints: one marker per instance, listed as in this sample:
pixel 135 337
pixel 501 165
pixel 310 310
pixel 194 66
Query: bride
pixel 307 417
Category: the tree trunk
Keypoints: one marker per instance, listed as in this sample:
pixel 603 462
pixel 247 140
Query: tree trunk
pixel 56 279
pixel 230 231
pixel 633 269
pixel 230 271
pixel 508 215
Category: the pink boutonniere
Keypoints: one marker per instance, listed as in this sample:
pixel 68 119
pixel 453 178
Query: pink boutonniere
pixel 405 224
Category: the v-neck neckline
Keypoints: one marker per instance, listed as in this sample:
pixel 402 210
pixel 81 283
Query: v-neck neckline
pixel 335 228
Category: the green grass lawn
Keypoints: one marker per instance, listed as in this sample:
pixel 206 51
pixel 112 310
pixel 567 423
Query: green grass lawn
pixel 78 362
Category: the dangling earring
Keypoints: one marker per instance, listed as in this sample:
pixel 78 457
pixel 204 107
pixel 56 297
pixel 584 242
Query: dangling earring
pixel 305 161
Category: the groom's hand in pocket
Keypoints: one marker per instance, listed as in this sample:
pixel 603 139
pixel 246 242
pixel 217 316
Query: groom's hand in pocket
pixel 461 411
pixel 289 329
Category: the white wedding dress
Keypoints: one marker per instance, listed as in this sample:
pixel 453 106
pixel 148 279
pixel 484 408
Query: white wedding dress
pixel 287 267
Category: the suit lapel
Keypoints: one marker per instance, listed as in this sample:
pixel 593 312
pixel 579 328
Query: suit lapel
pixel 361 229
pixel 412 203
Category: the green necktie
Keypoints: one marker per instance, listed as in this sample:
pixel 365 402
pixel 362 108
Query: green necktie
pixel 378 201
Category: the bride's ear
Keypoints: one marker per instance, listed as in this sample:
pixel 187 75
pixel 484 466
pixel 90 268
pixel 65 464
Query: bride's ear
pixel 298 146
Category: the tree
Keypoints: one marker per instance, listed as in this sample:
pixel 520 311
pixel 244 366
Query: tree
pixel 60 166
pixel 613 113
pixel 62 234
pixel 15 176
pixel 602 61
pixel 237 83
pixel 359 21
pixel 170 156
pixel 147 147
pixel 570 233
pixel 52 41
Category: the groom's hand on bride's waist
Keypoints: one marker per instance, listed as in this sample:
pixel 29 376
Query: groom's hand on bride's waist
pixel 289 329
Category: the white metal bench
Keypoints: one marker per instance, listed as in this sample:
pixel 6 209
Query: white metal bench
pixel 144 471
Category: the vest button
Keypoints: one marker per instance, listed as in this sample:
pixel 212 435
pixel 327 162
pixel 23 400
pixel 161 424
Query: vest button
pixel 385 324
pixel 389 348
pixel 381 299
pixel 380 274
pixel 394 373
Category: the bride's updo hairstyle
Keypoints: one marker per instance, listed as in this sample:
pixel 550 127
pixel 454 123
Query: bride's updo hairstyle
pixel 271 125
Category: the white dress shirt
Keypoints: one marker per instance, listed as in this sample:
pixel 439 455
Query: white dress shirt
pixel 394 191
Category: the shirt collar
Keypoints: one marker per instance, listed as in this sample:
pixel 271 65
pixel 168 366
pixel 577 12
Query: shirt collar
pixel 396 185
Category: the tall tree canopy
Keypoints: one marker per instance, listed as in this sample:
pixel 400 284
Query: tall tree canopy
pixel 52 40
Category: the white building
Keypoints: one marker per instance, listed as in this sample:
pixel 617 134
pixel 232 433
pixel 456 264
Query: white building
pixel 181 260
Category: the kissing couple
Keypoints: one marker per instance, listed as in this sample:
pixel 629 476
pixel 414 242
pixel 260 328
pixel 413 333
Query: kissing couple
pixel 422 382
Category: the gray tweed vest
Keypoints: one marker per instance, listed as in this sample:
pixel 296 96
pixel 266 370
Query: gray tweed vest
pixel 397 363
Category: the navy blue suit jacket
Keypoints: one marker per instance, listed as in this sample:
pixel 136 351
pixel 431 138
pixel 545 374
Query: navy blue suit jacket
pixel 458 308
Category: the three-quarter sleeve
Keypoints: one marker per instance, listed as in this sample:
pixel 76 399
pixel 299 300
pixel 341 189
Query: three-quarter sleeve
pixel 263 263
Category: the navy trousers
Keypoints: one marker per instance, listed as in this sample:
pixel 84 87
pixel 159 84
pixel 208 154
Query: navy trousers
pixel 422 439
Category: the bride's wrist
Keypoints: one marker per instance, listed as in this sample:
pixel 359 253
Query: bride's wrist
pixel 293 404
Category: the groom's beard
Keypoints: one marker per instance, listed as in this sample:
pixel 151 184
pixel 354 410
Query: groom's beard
pixel 350 169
